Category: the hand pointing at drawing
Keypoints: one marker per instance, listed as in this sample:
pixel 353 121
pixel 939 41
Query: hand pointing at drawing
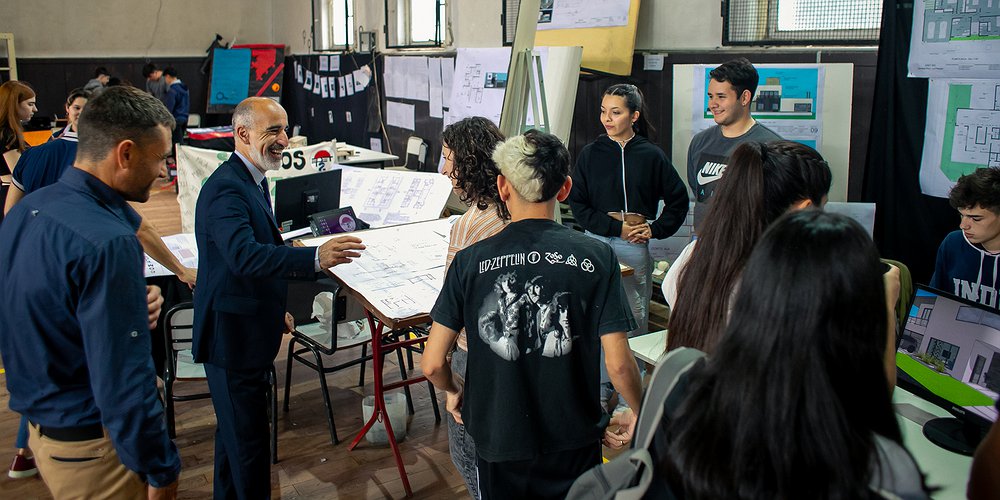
pixel 339 251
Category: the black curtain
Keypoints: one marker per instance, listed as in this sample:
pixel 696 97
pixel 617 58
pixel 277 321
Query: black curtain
pixel 909 225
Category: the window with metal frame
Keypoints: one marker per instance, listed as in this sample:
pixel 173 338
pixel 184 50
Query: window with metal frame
pixel 801 22
pixel 509 20
pixel 416 23
pixel 333 25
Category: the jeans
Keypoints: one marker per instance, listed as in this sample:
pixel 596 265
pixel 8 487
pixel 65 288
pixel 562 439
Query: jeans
pixel 638 288
pixel 22 434
pixel 460 444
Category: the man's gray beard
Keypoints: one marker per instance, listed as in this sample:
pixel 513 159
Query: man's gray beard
pixel 264 162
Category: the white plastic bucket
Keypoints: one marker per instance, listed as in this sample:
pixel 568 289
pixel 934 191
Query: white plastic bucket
pixel 395 405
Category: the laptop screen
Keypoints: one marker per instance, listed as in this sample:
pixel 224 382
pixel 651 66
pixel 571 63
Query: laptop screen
pixel 950 347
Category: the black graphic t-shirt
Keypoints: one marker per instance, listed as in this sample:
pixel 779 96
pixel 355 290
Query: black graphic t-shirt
pixel 534 300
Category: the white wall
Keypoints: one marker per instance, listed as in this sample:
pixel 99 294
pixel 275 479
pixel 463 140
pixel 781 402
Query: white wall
pixel 121 28
pixel 129 28
pixel 679 24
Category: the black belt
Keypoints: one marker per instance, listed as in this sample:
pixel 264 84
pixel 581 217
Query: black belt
pixel 72 434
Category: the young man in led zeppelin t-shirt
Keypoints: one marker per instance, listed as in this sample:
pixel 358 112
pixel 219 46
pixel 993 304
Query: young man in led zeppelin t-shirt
pixel 538 301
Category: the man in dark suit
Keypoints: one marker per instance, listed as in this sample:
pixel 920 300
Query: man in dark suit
pixel 239 304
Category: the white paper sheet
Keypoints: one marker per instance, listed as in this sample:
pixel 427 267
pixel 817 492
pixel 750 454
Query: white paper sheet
pixel 566 14
pixel 863 213
pixel 961 134
pixel 447 76
pixel 399 115
pixel 342 86
pixel 436 98
pixel 309 81
pixel 334 64
pixel 361 79
pixel 298 72
pixel 349 84
pixel 183 246
pixel 955 39
pixel 389 197
pixel 401 270
pixel 324 87
pixel 324 63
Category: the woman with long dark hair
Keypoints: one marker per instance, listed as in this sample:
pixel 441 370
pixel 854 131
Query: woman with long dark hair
pixel 794 402
pixel 762 182
pixel 618 183
pixel 467 147
pixel 17 105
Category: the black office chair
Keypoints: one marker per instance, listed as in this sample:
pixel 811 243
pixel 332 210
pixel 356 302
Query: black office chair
pixel 315 342
pixel 181 367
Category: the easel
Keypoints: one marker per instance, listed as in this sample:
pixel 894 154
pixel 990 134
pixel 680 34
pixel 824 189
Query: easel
pixel 524 66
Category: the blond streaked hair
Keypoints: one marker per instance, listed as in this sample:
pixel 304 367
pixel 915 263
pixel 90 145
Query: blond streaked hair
pixel 536 164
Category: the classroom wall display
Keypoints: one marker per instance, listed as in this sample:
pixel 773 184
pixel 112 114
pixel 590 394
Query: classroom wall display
pixel 563 14
pixel 955 39
pixel 608 43
pixel 962 132
pixel 327 97
pixel 833 108
pixel 245 71
pixel 789 101
pixel 480 82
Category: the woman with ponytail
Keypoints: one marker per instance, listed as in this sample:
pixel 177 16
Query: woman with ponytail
pixel 762 182
pixel 618 183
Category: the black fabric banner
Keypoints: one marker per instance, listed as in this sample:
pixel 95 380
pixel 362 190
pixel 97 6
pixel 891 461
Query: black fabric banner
pixel 341 117
pixel 909 225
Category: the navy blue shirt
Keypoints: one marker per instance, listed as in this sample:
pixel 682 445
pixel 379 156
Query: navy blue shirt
pixel 44 164
pixel 74 328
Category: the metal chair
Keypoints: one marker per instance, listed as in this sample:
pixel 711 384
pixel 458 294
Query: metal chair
pixel 315 342
pixel 181 367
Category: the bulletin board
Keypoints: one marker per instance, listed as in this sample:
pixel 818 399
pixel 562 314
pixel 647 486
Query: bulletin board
pixel 245 71
pixel 838 87
pixel 605 50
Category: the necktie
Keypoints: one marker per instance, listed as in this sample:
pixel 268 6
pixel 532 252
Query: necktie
pixel 267 195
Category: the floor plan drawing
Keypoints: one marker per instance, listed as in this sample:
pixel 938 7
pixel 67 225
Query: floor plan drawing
pixel 955 39
pixel 951 20
pixel 962 132
pixel 401 270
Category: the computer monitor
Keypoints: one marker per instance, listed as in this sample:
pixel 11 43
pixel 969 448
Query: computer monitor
pixel 949 354
pixel 296 198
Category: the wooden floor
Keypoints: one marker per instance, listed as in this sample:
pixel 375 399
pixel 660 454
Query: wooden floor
pixel 310 466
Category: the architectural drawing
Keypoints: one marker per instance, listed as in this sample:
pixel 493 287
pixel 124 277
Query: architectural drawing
pixel 955 39
pixel 401 270
pixel 962 132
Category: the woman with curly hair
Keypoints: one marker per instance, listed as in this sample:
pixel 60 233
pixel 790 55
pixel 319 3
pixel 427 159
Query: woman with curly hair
pixel 467 147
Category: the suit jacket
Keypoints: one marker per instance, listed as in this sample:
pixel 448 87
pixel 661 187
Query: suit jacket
pixel 239 302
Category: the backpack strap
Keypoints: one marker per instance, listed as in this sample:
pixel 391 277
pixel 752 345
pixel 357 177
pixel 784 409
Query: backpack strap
pixel 669 369
pixel 629 475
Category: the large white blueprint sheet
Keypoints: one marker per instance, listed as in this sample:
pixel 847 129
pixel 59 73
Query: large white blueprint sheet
pixel 388 197
pixel 962 131
pixel 401 270
pixel 955 39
